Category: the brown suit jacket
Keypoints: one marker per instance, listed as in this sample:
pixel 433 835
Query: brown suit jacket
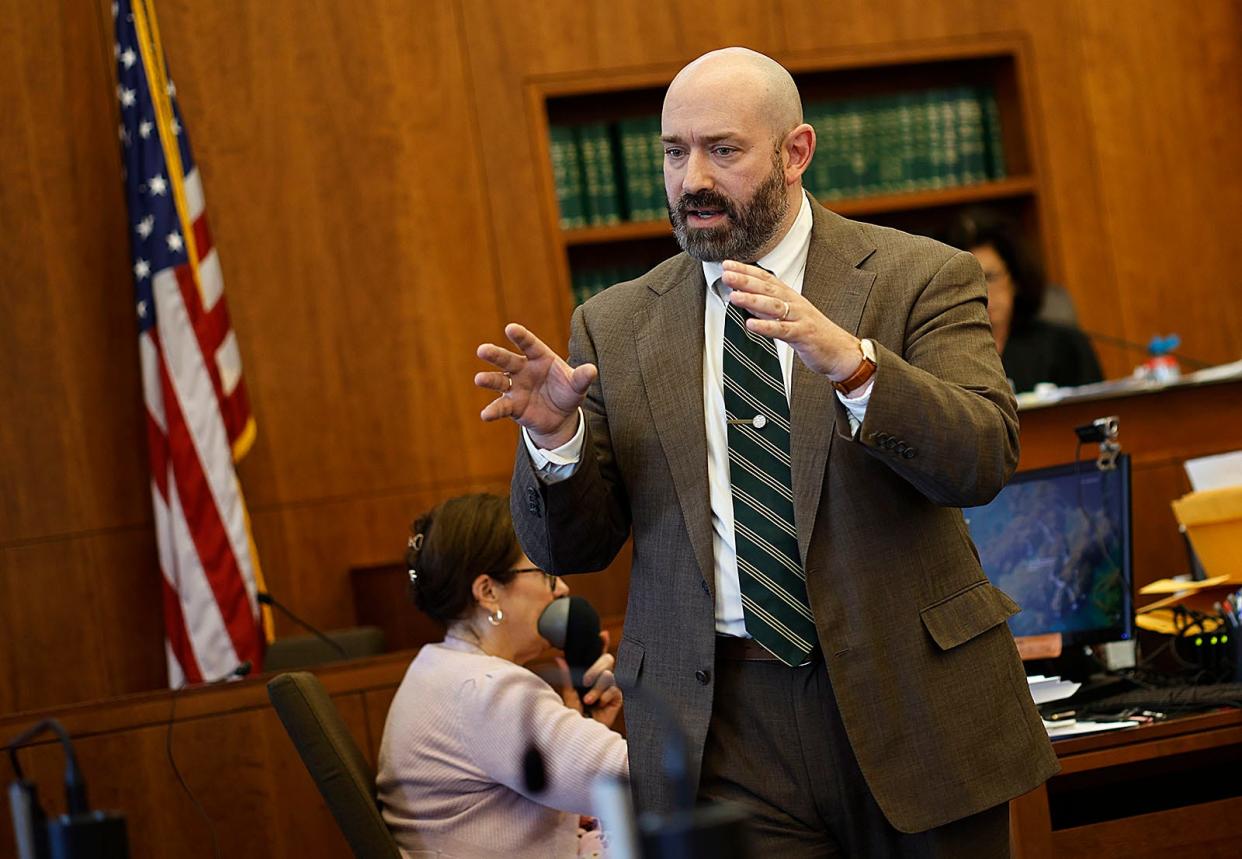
pixel 925 671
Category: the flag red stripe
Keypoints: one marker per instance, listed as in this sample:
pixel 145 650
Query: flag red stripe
pixel 224 575
pixel 178 636
pixel 202 236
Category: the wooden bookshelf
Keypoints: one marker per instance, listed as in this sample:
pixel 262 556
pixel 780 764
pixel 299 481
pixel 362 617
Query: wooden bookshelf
pixel 995 65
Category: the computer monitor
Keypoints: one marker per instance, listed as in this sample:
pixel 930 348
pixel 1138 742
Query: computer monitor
pixel 1057 540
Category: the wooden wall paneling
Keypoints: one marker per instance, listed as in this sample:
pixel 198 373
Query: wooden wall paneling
pixel 862 24
pixel 230 747
pixel 350 213
pixel 241 767
pixel 1071 208
pixel 70 437
pixel 81 618
pixel 308 550
pixel 1163 87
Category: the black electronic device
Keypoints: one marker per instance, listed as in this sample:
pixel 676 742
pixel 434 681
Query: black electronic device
pixel 1058 541
pixel 79 833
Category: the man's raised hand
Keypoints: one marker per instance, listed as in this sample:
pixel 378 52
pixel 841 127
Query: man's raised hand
pixel 537 388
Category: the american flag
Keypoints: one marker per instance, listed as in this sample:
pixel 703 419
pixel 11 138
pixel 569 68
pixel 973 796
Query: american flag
pixel 198 417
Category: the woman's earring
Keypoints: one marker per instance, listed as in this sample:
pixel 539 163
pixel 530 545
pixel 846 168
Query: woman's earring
pixel 496 617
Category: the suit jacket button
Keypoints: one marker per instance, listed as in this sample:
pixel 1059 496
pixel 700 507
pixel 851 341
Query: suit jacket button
pixel 533 505
pixel 704 677
pixel 909 452
pixel 890 443
pixel 901 448
pixel 879 437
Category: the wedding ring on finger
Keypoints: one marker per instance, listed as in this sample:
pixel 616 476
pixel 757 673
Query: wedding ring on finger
pixel 509 379
pixel 784 315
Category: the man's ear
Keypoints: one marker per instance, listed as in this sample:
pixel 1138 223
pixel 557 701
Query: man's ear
pixel 797 149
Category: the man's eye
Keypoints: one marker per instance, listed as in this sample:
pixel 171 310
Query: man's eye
pixel 724 150
pixel 672 152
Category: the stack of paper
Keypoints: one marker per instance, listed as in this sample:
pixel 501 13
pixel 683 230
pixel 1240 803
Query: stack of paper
pixel 1072 727
pixel 1045 689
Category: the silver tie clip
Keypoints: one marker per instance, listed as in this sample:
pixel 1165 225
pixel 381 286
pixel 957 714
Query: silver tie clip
pixel 758 422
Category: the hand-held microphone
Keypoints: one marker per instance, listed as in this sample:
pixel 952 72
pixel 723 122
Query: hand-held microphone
pixel 267 599
pixel 571 625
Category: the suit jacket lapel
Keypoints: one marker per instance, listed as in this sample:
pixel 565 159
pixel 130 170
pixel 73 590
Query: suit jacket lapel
pixel 670 356
pixel 835 285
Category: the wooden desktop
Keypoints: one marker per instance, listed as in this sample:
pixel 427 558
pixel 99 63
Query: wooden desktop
pixel 1173 786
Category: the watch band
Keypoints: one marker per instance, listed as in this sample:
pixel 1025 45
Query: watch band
pixel 866 369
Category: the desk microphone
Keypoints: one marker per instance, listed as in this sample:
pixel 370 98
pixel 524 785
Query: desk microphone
pixel 1157 346
pixel 267 599
pixel 243 669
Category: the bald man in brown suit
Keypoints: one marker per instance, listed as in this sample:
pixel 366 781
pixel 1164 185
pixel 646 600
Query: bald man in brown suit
pixel 871 703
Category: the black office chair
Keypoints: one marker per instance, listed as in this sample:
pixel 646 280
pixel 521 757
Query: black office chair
pixel 328 750
pixel 305 651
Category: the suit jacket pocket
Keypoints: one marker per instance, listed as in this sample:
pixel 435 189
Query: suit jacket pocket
pixel 629 662
pixel 959 617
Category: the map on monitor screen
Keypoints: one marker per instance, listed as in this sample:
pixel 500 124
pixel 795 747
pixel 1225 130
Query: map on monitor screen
pixel 1057 540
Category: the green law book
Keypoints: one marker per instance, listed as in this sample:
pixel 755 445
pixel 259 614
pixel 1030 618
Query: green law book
pixel 657 206
pixel 567 174
pixel 929 107
pixel 887 153
pixel 921 166
pixel 854 173
pixel 950 164
pixel 993 140
pixel 970 135
pixel 603 200
pixel 635 177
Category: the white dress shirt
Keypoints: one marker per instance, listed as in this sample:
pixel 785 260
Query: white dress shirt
pixel 787 261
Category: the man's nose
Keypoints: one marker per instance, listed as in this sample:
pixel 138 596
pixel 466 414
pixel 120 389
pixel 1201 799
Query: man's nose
pixel 698 175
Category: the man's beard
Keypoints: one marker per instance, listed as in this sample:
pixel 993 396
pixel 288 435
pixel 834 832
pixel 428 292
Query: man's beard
pixel 748 227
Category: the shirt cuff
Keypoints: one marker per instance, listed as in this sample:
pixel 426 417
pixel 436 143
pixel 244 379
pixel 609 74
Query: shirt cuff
pixel 856 401
pixel 567 454
pixel 856 405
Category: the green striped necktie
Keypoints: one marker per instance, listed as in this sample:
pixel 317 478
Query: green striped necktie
pixel 769 566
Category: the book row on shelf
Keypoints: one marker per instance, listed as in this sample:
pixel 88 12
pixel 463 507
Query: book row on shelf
pixel 588 281
pixel 611 172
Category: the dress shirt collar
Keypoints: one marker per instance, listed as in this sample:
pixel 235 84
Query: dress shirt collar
pixel 787 260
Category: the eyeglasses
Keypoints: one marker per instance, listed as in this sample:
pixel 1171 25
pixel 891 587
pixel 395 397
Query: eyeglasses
pixel 550 578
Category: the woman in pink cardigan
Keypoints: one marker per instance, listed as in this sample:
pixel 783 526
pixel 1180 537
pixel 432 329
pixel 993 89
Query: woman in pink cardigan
pixel 450 763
